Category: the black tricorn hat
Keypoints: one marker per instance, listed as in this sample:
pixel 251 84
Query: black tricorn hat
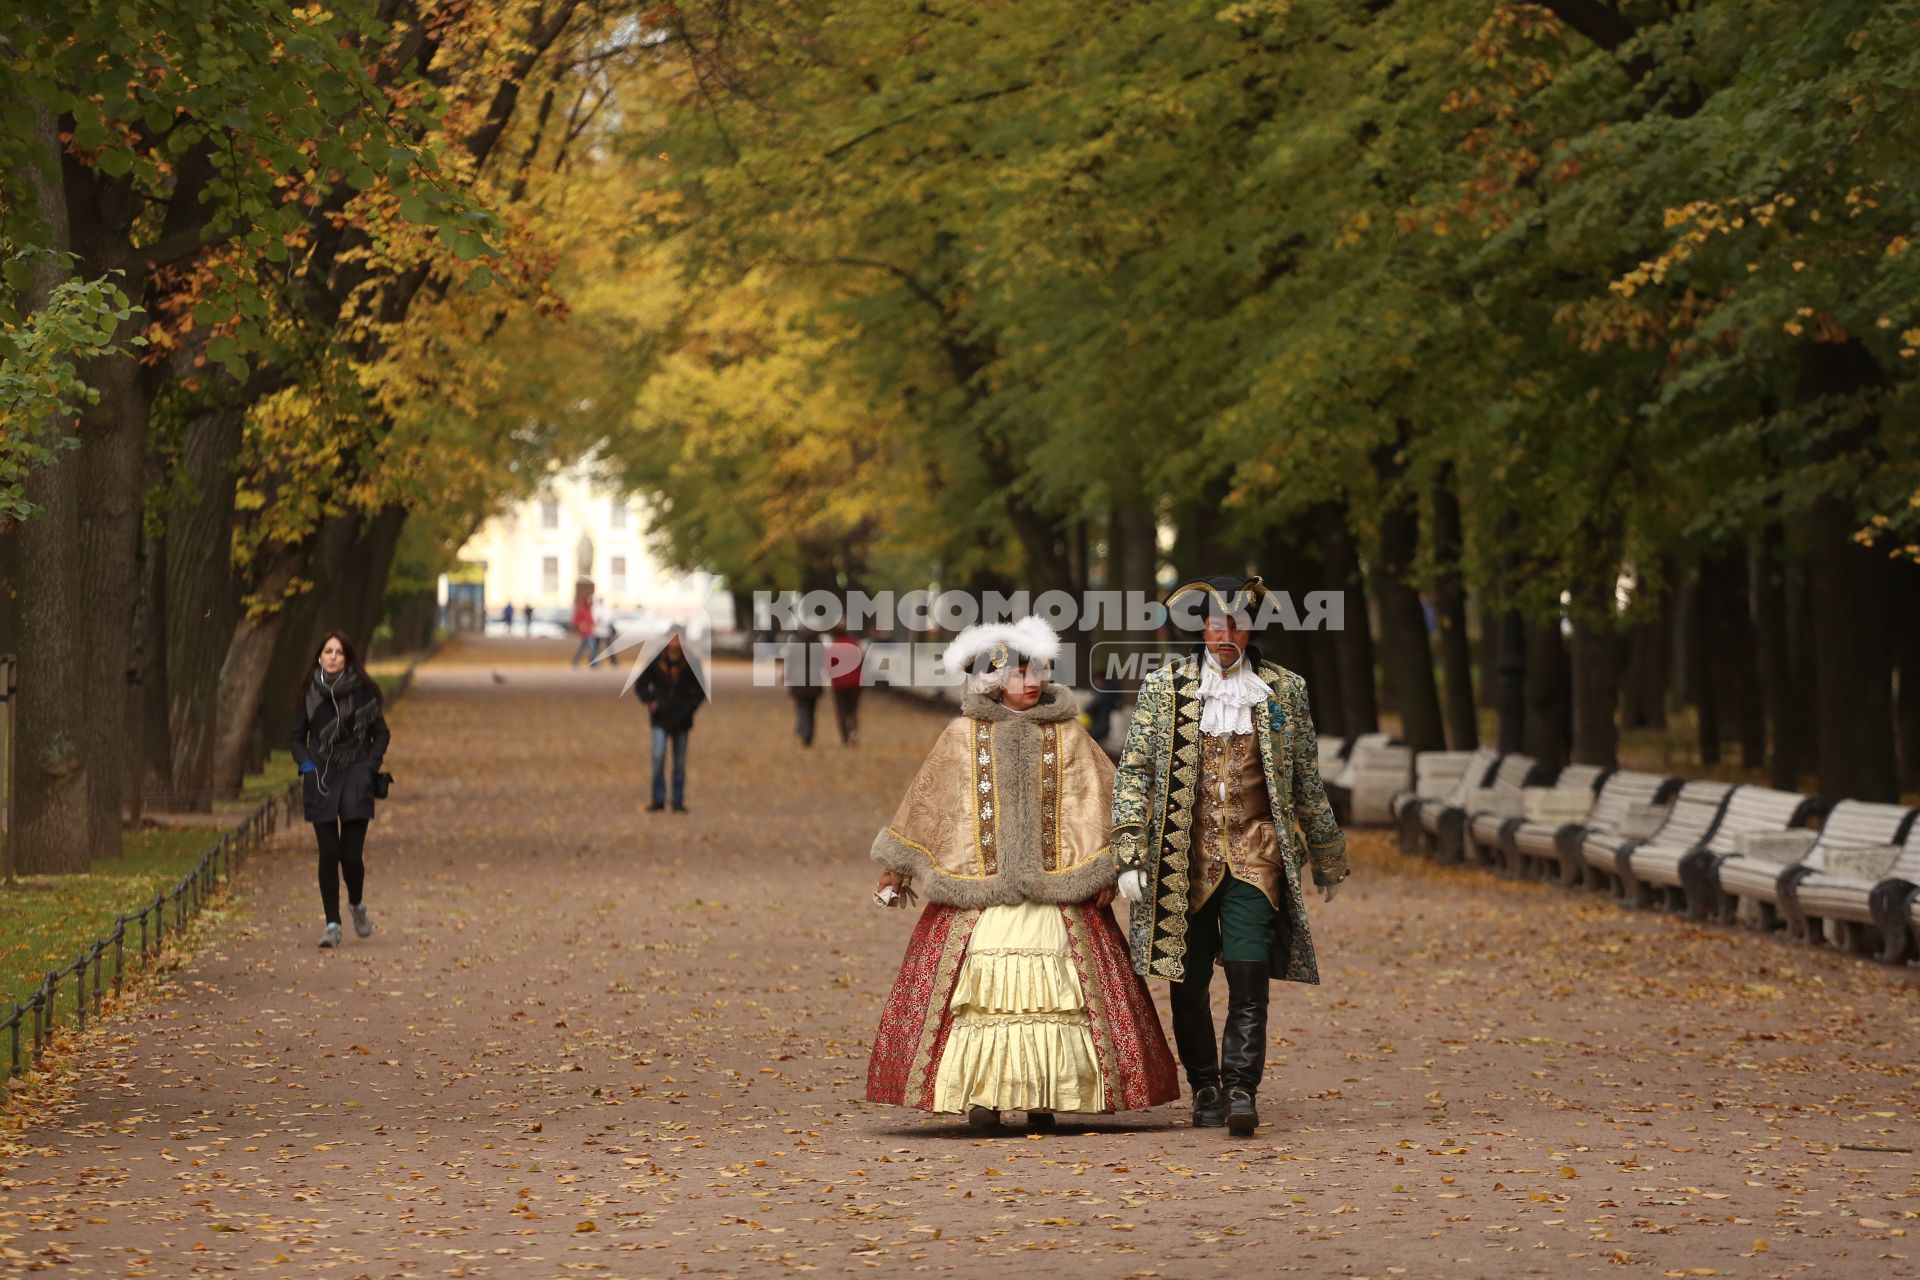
pixel 1220 595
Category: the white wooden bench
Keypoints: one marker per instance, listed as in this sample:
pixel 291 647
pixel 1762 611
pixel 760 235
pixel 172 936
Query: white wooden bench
pixel 1489 808
pixel 1568 801
pixel 1553 848
pixel 1749 880
pixel 1333 754
pixel 1685 877
pixel 1441 780
pixel 1606 854
pixel 1379 767
pixel 1831 890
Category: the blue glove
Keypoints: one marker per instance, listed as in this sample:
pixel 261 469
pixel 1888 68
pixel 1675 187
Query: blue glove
pixel 306 766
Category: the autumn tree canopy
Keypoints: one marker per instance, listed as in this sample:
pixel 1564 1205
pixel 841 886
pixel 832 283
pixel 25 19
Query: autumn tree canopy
pixel 1519 312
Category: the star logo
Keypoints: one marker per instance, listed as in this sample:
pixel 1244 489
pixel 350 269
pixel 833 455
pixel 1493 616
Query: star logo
pixel 696 646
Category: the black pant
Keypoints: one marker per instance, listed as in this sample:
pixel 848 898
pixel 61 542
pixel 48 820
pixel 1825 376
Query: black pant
pixel 846 710
pixel 803 709
pixel 340 845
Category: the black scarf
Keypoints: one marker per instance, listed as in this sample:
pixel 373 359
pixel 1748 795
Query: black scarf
pixel 352 729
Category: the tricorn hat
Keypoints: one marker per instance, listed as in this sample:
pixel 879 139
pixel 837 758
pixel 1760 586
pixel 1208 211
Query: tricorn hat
pixel 988 646
pixel 1220 595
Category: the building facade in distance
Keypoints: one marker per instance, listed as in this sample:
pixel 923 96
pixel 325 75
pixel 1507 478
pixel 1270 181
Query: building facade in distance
pixel 577 534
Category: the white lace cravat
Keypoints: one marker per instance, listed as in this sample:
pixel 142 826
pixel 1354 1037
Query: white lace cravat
pixel 1227 696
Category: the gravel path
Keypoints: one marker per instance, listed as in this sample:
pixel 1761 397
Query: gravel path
pixel 591 1039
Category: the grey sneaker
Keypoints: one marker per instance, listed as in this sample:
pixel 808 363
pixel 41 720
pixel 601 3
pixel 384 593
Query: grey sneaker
pixel 331 938
pixel 362 922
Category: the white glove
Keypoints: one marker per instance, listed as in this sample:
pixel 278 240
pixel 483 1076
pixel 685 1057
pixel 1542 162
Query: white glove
pixel 1328 890
pixel 1133 885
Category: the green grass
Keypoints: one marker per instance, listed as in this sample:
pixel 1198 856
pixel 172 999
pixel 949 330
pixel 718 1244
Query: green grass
pixel 45 921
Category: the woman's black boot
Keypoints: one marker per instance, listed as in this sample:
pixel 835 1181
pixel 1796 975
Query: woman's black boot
pixel 1199 1051
pixel 1244 1048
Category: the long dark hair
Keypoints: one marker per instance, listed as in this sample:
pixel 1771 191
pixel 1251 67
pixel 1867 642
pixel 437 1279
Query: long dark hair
pixel 353 665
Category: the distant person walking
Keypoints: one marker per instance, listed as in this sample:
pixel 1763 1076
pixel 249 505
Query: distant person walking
pixel 526 619
pixel 606 636
pixel 583 627
pixel 844 657
pixel 672 693
pixel 797 674
pixel 506 616
pixel 340 741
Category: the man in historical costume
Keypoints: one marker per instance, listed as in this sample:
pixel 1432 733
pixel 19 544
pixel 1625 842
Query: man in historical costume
pixel 1016 993
pixel 1217 801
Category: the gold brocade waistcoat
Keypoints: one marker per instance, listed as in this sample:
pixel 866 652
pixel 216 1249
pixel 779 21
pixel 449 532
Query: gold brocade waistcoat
pixel 1233 821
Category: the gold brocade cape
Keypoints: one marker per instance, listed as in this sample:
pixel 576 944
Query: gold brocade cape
pixel 1010 807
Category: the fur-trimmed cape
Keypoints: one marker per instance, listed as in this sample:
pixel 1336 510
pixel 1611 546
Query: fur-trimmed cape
pixel 1010 807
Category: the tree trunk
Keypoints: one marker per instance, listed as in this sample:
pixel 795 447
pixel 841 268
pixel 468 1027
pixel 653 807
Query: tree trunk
pixel 1133 569
pixel 149 752
pixel 1354 642
pixel 50 786
pixel 338 567
pixel 1853 684
pixel 375 554
pixel 249 658
pixel 1488 656
pixel 1907 655
pixel 1512 632
pixel 1406 658
pixel 1199 548
pixel 202 598
pixel 1549 713
pixel 1645 703
pixel 1696 614
pixel 1450 614
pixel 1737 646
pixel 1780 689
pixel 298 626
pixel 1853 653
pixel 1596 672
pixel 113 437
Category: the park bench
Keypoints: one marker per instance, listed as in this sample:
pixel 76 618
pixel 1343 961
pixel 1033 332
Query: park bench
pixel 1440 818
pixel 1333 753
pixel 1682 825
pixel 1831 890
pixel 1545 809
pixel 1378 768
pixel 1441 780
pixel 1749 879
pixel 1683 874
pixel 1491 805
pixel 1553 844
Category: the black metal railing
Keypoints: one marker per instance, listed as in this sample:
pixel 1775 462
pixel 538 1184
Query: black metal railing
pixel 28 1030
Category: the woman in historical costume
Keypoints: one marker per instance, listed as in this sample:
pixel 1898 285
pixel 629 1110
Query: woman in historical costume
pixel 1016 993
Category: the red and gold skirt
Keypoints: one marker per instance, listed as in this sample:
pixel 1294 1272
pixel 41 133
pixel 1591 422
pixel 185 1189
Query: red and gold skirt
pixel 1031 1007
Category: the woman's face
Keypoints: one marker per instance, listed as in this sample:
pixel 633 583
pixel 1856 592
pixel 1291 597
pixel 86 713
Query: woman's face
pixel 1022 689
pixel 332 657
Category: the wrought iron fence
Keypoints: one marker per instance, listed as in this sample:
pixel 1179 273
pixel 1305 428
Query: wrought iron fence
pixel 29 1028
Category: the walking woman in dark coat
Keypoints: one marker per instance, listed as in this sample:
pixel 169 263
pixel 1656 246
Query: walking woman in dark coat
pixel 340 740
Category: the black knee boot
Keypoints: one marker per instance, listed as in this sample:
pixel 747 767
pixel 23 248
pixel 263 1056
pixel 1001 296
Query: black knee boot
pixel 1244 1049
pixel 1199 1051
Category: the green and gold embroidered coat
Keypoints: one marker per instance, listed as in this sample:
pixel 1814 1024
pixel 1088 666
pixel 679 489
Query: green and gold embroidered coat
pixel 1153 799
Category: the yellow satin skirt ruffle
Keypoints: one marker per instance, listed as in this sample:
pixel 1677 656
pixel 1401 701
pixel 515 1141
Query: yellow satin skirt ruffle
pixel 1021 1037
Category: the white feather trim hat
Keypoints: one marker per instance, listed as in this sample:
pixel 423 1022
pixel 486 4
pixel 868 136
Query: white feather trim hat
pixel 988 646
